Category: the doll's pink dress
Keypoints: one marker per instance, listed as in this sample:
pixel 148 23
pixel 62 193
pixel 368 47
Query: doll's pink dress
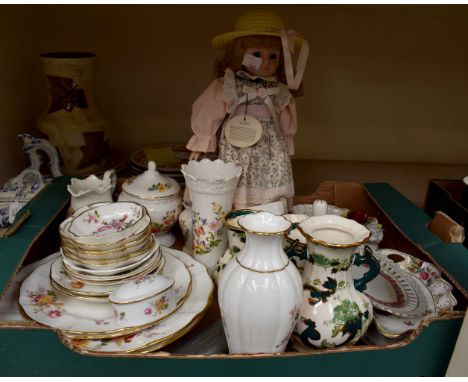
pixel 266 166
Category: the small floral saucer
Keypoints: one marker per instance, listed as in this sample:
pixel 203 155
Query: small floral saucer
pixel 84 319
pixel 167 330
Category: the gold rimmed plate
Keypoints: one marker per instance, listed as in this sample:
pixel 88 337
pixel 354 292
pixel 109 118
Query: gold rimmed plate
pixel 60 277
pixel 114 265
pixel 149 266
pixel 137 242
pixel 77 318
pixel 169 329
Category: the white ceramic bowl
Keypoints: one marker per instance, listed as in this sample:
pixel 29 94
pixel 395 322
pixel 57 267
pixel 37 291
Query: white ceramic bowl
pixel 143 228
pixel 143 300
pixel 107 224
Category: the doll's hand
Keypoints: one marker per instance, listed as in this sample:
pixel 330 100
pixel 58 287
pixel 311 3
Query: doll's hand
pixel 194 155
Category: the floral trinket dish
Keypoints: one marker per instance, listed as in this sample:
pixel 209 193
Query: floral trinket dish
pixel 144 299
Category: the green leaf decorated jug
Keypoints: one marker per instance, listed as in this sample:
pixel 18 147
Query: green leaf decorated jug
pixel 334 312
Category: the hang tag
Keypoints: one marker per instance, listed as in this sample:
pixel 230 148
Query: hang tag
pixel 243 131
pixel 251 62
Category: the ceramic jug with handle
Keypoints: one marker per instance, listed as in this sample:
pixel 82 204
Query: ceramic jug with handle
pixel 334 311
pixel 91 190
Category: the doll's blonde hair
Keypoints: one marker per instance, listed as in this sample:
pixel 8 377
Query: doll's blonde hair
pixel 234 55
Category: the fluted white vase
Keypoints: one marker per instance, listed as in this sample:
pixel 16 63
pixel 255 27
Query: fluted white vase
pixel 211 185
pixel 260 291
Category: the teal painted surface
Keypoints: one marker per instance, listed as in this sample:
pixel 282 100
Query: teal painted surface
pixel 454 258
pixel 43 207
pixel 40 353
pixel 413 221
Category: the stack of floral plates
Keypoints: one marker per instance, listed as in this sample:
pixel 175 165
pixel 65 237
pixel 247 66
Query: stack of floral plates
pixel 103 246
pixel 406 291
pixel 92 326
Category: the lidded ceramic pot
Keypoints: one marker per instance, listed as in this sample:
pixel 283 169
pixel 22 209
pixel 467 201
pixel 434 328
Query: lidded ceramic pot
pixel 143 300
pixel 160 195
pixel 260 290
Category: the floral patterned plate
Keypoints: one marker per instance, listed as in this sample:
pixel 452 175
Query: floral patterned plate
pixel 139 160
pixel 84 319
pixel 391 326
pixel 441 290
pixel 166 331
pixel 438 290
pixel 394 291
pixel 146 267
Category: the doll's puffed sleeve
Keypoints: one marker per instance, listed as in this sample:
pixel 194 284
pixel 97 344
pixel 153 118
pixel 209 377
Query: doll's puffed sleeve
pixel 208 112
pixel 288 124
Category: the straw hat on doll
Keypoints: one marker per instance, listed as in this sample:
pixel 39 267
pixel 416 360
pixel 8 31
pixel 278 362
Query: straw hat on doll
pixel 253 23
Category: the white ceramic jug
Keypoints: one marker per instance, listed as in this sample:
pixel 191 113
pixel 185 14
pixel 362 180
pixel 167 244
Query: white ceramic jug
pixel 260 291
pixel 91 190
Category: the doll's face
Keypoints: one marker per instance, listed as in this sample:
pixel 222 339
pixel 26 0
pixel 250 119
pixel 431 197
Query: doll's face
pixel 270 61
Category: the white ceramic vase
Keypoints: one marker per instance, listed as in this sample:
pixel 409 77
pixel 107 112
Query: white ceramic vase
pixel 334 312
pixel 260 292
pixel 211 186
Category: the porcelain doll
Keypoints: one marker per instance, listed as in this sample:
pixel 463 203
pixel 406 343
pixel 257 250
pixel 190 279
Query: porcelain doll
pixel 247 114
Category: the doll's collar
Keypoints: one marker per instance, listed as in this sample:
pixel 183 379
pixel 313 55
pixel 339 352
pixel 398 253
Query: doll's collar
pixel 244 74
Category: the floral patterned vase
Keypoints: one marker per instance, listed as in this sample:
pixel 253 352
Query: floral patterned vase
pixel 334 312
pixel 211 186
pixel 260 290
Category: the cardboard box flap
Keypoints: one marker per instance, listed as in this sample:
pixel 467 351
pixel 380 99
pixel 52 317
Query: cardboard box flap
pixel 403 212
pixel 43 207
pixel 452 257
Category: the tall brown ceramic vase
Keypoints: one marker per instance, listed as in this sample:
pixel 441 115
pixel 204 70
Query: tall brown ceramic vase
pixel 72 120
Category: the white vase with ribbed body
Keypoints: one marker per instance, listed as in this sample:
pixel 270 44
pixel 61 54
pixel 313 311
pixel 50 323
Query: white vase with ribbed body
pixel 260 291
